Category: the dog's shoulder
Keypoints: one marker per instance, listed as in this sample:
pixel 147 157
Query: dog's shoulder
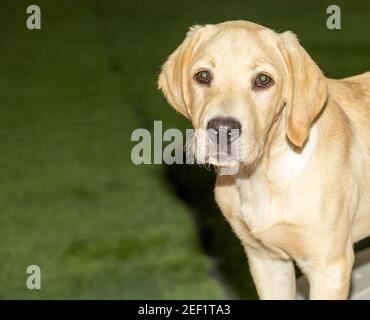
pixel 352 94
pixel 354 88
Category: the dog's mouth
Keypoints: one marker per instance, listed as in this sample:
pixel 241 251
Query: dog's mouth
pixel 217 155
pixel 223 155
pixel 235 155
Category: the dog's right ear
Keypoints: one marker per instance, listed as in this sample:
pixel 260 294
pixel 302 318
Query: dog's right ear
pixel 173 77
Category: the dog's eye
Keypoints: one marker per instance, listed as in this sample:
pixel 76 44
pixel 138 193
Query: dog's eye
pixel 263 81
pixel 203 77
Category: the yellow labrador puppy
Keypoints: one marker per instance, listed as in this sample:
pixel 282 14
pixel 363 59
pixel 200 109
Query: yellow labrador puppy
pixel 302 192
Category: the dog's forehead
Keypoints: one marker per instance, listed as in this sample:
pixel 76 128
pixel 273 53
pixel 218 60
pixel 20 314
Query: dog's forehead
pixel 234 45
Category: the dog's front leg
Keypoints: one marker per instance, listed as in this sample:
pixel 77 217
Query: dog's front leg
pixel 274 278
pixel 328 268
pixel 331 280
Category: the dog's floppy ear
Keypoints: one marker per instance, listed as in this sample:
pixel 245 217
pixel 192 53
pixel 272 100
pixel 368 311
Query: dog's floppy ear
pixel 306 89
pixel 173 77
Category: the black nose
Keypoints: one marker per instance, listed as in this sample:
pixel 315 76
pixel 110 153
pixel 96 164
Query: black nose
pixel 223 128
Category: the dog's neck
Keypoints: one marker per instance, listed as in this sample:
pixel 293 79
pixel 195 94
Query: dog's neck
pixel 281 161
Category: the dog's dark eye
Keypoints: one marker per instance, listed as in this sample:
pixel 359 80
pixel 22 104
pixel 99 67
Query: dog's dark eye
pixel 203 77
pixel 263 81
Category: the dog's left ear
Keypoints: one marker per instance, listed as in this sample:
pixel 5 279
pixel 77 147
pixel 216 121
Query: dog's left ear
pixel 306 89
pixel 173 77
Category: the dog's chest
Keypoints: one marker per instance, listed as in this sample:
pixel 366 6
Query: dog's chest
pixel 269 216
pixel 270 195
pixel 261 207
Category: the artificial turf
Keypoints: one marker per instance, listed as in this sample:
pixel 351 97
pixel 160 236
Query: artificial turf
pixel 71 201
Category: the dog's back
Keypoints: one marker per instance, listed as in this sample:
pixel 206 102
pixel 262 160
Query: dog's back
pixel 352 95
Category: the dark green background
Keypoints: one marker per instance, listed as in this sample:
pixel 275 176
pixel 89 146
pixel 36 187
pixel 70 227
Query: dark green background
pixel 71 93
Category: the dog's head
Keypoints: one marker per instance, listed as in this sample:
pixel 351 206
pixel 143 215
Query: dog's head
pixel 235 77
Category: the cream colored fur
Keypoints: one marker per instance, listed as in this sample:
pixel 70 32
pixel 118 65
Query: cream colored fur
pixel 303 189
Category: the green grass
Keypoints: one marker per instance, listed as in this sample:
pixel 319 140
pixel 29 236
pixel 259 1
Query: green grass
pixel 71 201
